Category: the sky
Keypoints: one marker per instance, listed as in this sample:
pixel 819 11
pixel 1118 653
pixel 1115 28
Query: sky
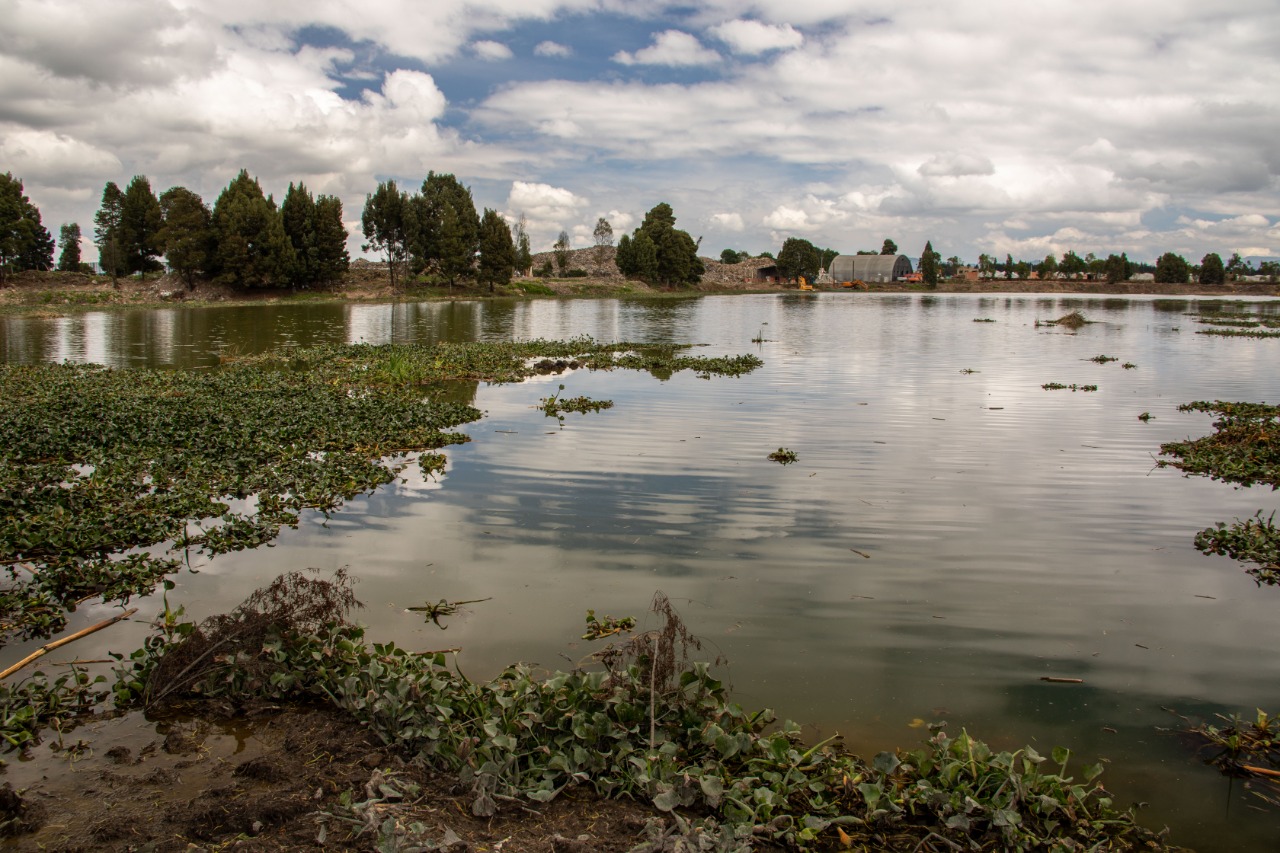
pixel 984 126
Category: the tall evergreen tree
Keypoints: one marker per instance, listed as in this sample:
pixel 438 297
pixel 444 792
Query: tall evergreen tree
pixel 69 240
pixel 140 221
pixel 331 258
pixel 929 262
pixel 443 228
pixel 25 244
pixel 675 254
pixel 497 250
pixel 625 256
pixel 644 257
pixel 107 232
pixel 186 233
pixel 298 217
pixel 384 224
pixel 250 246
pixel 889 247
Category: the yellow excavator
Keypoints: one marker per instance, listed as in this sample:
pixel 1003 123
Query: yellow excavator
pixel 804 283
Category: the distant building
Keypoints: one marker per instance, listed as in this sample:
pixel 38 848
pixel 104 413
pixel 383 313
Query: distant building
pixel 1143 276
pixel 870 267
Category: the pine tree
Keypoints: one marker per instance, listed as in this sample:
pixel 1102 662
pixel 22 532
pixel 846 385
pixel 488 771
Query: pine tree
pixel 298 218
pixel 25 244
pixel 384 224
pixel 675 254
pixel 140 221
pixel 497 250
pixel 929 264
pixel 624 257
pixel 889 247
pixel 443 228
pixel 69 239
pixel 186 233
pixel 250 246
pixel 331 259
pixel 107 234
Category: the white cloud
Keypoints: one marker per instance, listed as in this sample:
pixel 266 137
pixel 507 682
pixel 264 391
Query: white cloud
pixel 728 221
pixel 543 203
pixel 551 48
pixel 670 47
pixel 491 51
pixel 753 37
pixel 955 165
pixel 41 155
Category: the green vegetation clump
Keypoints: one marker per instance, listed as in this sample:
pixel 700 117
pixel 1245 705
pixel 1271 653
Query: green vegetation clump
pixel 1058 386
pixel 1244 448
pixel 1254 540
pixel 643 721
pixel 783 456
pixel 1240 333
pixel 109 479
pixel 1248 749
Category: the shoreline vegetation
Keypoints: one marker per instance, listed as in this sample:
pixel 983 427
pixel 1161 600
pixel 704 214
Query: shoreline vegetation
pixel 54 293
pixel 644 727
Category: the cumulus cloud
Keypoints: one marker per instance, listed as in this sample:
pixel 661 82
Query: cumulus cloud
pixel 491 51
pixel 753 37
pixel 551 48
pixel 43 156
pixel 544 203
pixel 956 166
pixel 728 221
pixel 670 47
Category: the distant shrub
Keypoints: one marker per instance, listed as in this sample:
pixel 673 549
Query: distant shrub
pixel 575 274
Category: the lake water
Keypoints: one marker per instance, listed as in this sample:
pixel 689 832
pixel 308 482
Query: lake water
pixel 945 539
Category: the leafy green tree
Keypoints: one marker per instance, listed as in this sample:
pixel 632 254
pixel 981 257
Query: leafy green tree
pixel 1072 265
pixel 69 240
pixel 1211 269
pixel 25 244
pixel 1172 269
pixel 107 232
pixel 383 222
pixel 186 233
pixel 1271 269
pixel 331 257
pixel 799 257
pixel 828 255
pixel 603 235
pixel 497 249
pixel 1116 268
pixel 929 263
pixel 986 265
pixel 1238 267
pixel 889 247
pixel 250 246
pixel 140 221
pixel 1008 266
pixel 1049 267
pixel 729 256
pixel 298 217
pixel 1023 269
pixel 561 249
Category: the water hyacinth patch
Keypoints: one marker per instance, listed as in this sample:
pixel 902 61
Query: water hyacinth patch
pixel 110 479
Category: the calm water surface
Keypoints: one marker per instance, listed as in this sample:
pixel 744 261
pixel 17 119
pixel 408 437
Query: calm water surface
pixel 945 539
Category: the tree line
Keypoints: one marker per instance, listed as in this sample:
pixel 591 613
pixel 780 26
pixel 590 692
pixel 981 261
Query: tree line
pixel 247 240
